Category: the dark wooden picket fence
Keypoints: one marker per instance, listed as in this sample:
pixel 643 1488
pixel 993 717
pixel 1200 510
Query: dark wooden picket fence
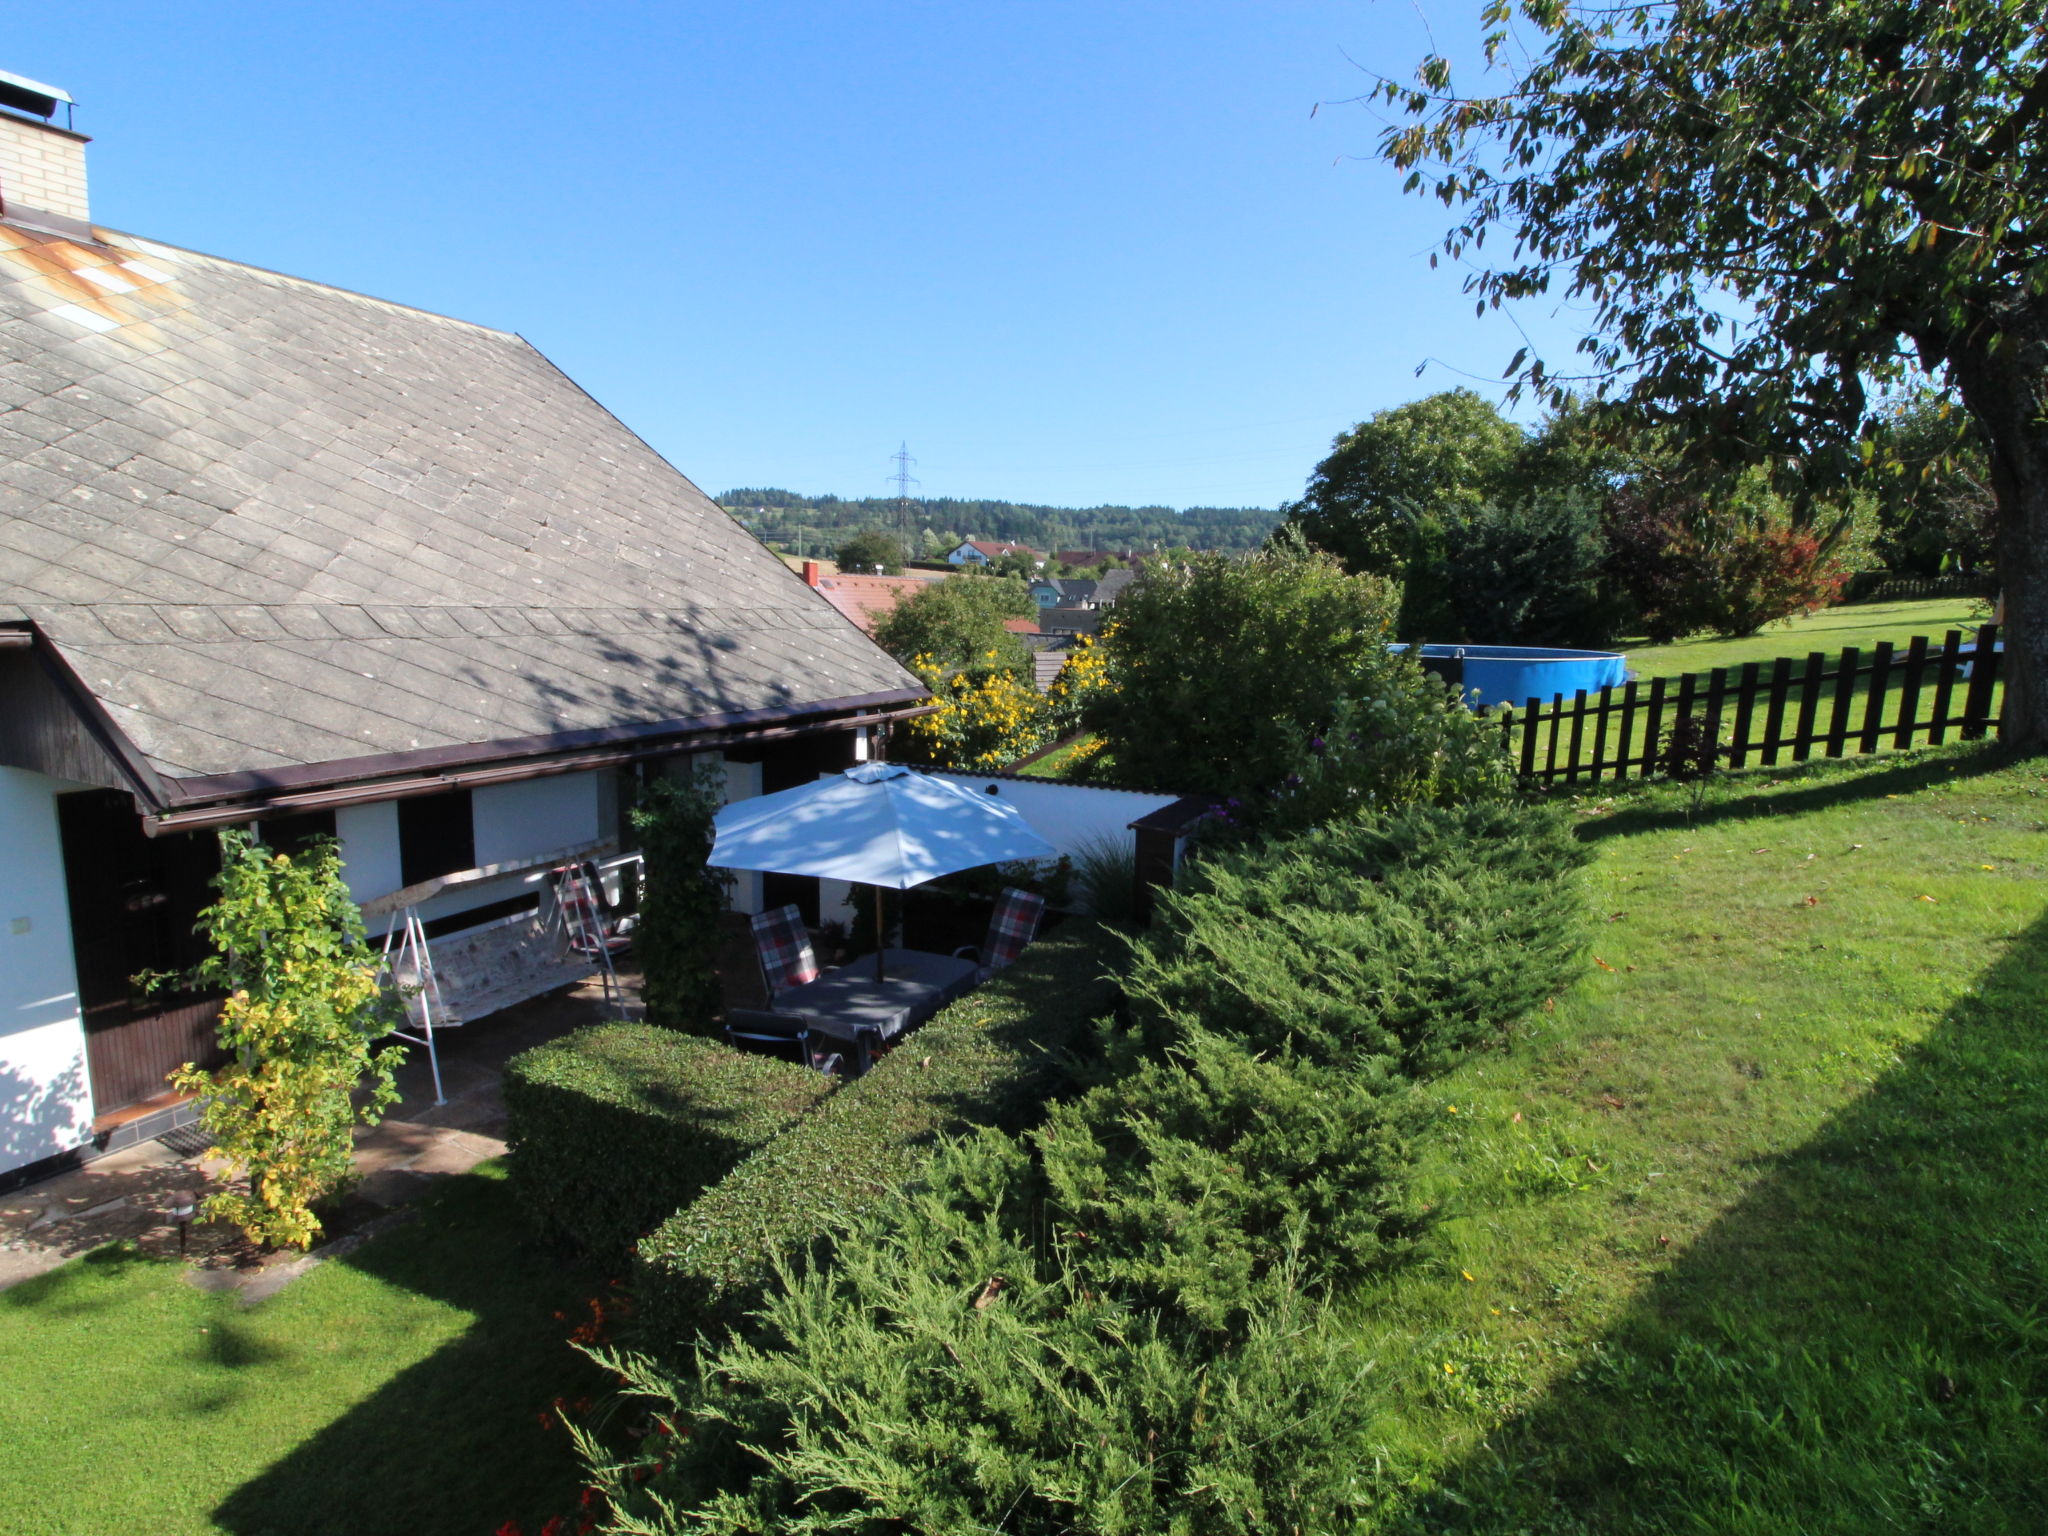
pixel 1883 587
pixel 1762 713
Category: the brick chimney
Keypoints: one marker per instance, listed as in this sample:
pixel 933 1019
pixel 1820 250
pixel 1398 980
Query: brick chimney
pixel 42 166
pixel 810 573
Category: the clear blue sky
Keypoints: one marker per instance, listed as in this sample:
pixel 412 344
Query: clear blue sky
pixel 1071 252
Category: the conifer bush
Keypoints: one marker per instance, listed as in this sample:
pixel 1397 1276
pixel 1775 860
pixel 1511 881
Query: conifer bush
pixel 1200 1182
pixel 1412 936
pixel 952 1371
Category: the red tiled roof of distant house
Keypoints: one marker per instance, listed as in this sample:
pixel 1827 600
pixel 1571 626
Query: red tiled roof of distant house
pixel 1021 626
pixel 867 600
pixel 996 551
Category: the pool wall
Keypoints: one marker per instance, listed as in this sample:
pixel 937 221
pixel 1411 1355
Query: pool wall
pixel 1514 674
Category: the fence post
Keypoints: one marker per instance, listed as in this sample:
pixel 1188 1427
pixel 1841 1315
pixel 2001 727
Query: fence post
pixel 1809 705
pixel 1845 698
pixel 1944 687
pixel 1628 726
pixel 1682 711
pixel 1745 704
pixel 1571 772
pixel 1909 693
pixel 1556 725
pixel 1529 714
pixel 1717 693
pixel 1873 705
pixel 1653 729
pixel 1774 716
pixel 1983 674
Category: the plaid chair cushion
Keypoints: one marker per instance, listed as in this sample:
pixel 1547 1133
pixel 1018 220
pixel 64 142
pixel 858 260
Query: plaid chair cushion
pixel 785 949
pixel 1014 925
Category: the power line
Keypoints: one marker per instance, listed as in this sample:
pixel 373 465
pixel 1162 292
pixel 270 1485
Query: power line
pixel 903 480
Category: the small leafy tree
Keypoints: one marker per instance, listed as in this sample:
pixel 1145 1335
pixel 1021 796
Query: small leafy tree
pixel 1226 676
pixel 872 550
pixel 303 1010
pixel 678 934
pixel 958 621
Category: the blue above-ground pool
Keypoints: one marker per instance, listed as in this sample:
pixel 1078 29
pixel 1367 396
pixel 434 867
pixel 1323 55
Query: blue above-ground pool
pixel 1515 674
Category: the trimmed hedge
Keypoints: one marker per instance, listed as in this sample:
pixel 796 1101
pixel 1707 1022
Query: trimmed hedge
pixel 992 1058
pixel 614 1126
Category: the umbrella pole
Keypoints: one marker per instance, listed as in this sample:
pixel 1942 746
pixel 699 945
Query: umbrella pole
pixel 881 939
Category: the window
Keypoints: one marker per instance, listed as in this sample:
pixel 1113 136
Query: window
pixel 436 836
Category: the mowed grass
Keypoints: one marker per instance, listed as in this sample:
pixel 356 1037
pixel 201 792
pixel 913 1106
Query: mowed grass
pixel 1860 624
pixel 401 1388
pixel 1750 1232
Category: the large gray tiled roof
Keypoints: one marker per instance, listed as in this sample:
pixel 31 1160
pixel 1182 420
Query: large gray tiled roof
pixel 270 523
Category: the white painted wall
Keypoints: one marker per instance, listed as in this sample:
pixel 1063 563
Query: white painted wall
pixel 511 822
pixel 742 782
pixel 1071 816
pixel 45 1093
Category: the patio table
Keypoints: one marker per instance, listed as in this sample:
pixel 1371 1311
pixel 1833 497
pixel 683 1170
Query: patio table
pixel 848 1004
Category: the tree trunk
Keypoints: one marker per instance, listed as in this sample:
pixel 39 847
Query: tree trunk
pixel 2007 392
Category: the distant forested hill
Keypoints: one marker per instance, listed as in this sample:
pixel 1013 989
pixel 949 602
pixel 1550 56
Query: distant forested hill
pixel 774 516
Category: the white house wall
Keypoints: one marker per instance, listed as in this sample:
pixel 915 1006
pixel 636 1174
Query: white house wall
pixel 45 1093
pixel 1071 816
pixel 743 782
pixel 510 822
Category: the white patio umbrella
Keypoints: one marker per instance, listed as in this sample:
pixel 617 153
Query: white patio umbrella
pixel 875 824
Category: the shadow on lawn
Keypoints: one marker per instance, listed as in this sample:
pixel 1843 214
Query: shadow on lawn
pixel 1840 781
pixel 1860 1345
pixel 455 1443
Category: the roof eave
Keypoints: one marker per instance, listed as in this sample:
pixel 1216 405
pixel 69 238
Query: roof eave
pixel 639 739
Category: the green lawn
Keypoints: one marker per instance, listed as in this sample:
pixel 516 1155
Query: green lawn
pixel 1750 1233
pixel 1861 625
pixel 399 1389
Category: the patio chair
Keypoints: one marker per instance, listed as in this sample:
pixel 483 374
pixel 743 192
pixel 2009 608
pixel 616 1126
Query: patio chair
pixel 590 933
pixel 783 946
pixel 1013 925
pixel 780 1034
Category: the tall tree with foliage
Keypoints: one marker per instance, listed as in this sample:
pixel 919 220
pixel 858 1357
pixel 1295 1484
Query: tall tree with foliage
pixel 958 621
pixel 677 937
pixel 303 1010
pixel 1769 207
pixel 872 551
pixel 1443 455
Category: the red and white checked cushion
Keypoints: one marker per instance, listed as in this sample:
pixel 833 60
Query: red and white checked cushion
pixel 1014 925
pixel 785 946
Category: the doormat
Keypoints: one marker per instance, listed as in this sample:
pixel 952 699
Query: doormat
pixel 188 1140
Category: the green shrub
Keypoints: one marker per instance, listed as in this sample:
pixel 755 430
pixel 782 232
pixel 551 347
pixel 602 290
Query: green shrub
pixel 677 936
pixel 614 1126
pixel 950 1372
pixel 1412 936
pixel 991 1058
pixel 1197 1183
